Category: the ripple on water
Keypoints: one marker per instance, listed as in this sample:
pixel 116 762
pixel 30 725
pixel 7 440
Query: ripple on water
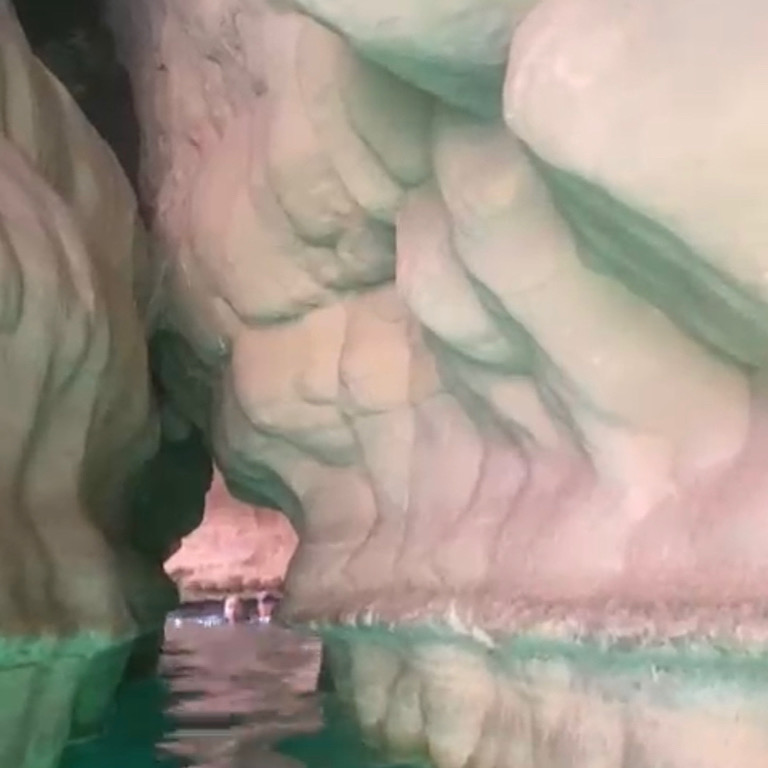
pixel 238 696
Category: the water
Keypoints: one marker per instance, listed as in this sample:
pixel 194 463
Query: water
pixel 244 696
pixel 241 696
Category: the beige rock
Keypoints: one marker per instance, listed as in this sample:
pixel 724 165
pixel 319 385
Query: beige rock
pixel 524 411
pixel 473 291
pixel 77 419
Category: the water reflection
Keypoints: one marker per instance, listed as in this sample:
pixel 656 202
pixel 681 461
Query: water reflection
pixel 225 695
pixel 245 696
pixel 228 696
pixel 237 690
pixel 536 702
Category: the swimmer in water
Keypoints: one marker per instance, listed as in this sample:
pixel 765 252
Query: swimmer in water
pixel 266 601
pixel 234 610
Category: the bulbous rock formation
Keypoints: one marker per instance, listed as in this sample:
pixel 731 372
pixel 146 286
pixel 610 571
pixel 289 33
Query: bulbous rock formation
pixel 496 347
pixel 476 358
pixel 476 294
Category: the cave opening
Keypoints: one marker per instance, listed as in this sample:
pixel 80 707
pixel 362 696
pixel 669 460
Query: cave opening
pixel 75 43
pixel 239 551
pixel 208 680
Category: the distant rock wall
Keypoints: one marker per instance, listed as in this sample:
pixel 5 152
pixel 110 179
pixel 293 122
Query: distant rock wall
pixel 238 549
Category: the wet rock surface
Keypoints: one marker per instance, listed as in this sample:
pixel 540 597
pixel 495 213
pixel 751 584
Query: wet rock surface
pixel 80 419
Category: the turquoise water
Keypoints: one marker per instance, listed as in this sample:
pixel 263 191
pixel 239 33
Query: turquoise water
pixel 239 696
pixel 245 696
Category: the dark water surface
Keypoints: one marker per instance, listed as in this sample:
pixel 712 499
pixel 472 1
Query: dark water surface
pixel 227 697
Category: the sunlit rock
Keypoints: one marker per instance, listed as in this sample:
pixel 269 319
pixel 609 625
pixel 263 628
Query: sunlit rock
pixel 238 549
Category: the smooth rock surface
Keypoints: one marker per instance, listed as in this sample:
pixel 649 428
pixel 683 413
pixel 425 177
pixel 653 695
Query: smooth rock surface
pixel 78 423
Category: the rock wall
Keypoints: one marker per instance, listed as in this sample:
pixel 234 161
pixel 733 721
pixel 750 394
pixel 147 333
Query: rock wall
pixel 80 431
pixel 512 352
pixel 237 549
pixel 476 293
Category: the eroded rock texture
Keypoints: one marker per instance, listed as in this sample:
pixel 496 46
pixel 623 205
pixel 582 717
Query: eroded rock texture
pixel 79 432
pixel 476 293
pixel 518 356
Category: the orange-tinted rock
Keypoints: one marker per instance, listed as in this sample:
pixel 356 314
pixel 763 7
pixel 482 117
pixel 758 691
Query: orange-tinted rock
pixel 237 549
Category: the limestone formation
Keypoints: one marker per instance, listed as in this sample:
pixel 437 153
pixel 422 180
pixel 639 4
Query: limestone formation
pixel 459 705
pixel 516 354
pixel 475 292
pixel 80 434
